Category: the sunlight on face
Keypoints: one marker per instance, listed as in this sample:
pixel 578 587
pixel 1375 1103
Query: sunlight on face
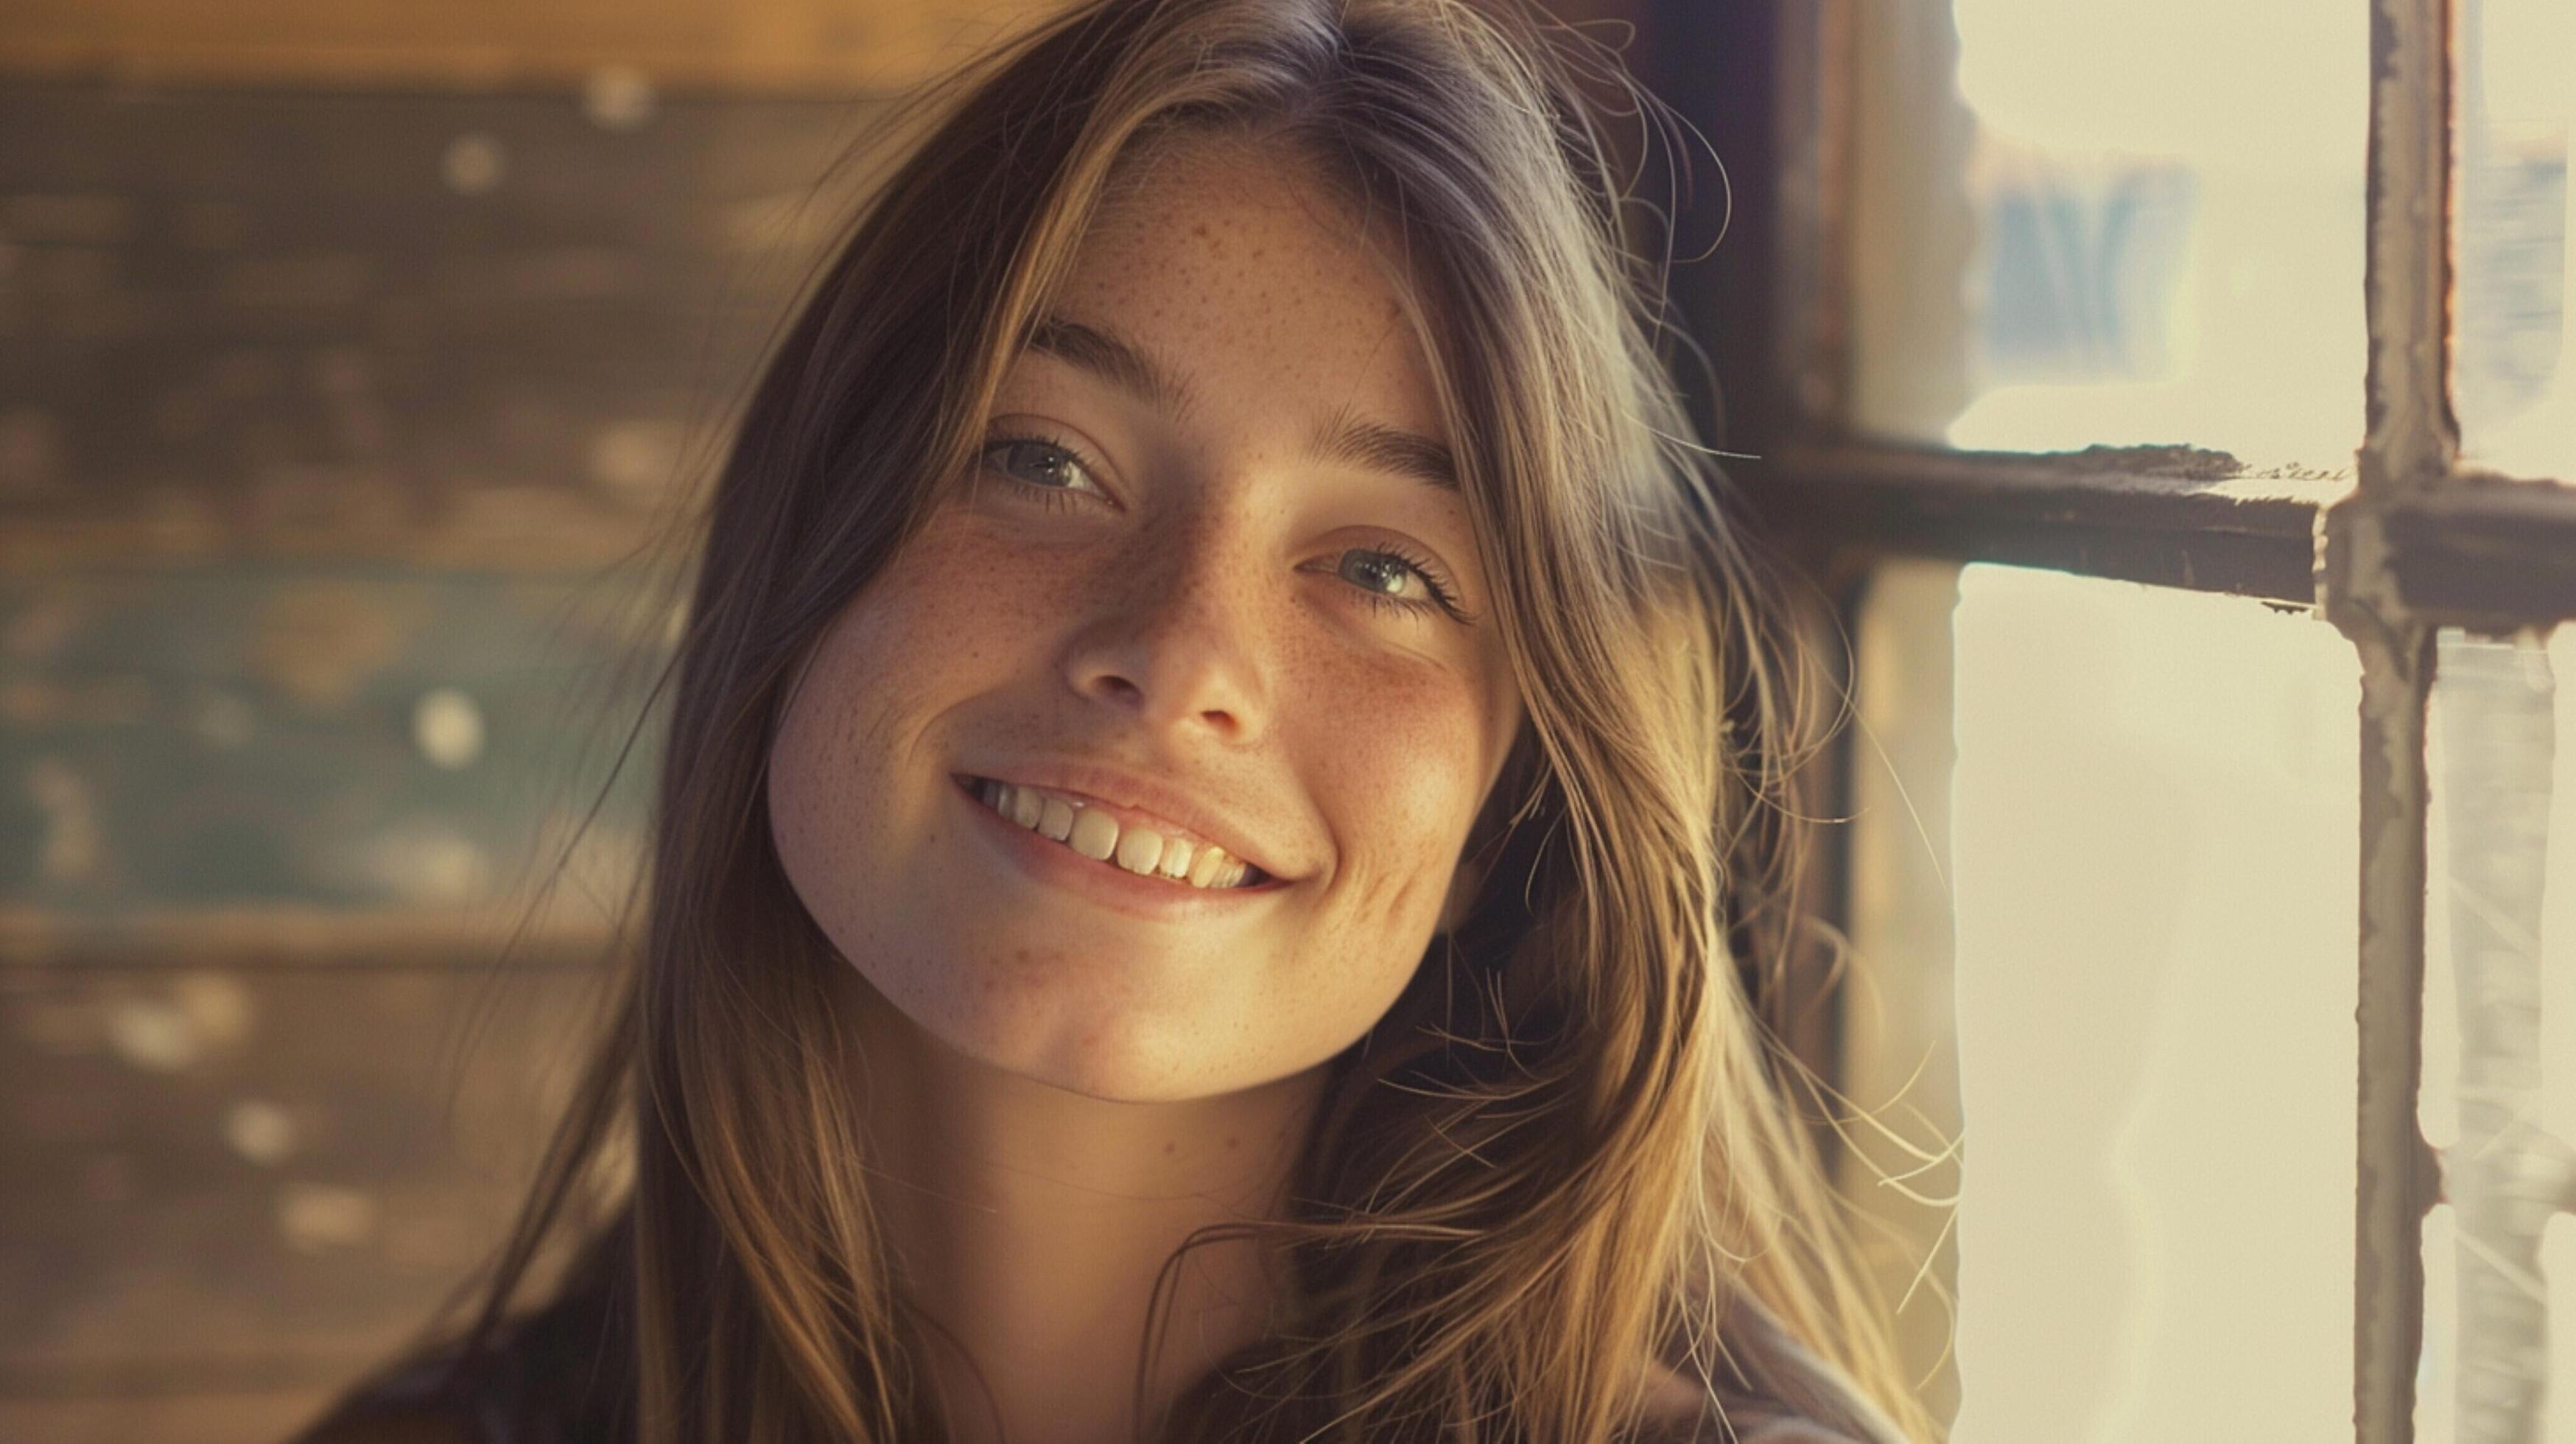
pixel 1157 601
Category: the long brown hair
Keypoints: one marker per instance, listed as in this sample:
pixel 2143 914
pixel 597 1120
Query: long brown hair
pixel 1565 1151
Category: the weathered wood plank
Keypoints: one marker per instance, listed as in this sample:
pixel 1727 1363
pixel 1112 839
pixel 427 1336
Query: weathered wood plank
pixel 445 329
pixel 764 44
pixel 223 1181
pixel 749 46
pixel 206 742
pixel 261 1416
pixel 284 937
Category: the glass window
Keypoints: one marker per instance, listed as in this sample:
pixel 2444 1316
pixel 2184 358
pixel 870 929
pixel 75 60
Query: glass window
pixel 2152 816
pixel 2143 220
pixel 2101 1043
pixel 2499 1094
pixel 2514 376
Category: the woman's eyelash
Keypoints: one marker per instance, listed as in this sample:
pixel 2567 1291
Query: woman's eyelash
pixel 1052 496
pixel 1442 598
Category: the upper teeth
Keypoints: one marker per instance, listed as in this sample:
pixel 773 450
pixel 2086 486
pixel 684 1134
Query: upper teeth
pixel 1097 835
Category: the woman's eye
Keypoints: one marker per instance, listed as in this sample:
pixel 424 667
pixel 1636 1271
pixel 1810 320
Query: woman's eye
pixel 1393 579
pixel 1040 465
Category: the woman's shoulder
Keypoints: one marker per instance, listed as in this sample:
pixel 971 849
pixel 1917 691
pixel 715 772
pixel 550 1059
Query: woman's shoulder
pixel 1767 1429
pixel 1744 1424
pixel 551 1376
pixel 388 1429
pixel 1682 1412
pixel 416 1402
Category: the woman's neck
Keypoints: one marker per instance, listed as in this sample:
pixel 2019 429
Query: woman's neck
pixel 1031 1222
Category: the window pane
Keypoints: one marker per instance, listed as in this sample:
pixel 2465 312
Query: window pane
pixel 2499 1040
pixel 2132 222
pixel 2154 823
pixel 2515 378
pixel 1900 1059
pixel 2558 1267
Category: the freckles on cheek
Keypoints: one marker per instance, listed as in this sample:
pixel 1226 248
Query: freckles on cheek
pixel 1404 767
pixel 965 592
pixel 948 605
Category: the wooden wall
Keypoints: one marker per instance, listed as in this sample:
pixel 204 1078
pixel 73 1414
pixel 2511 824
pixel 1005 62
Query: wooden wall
pixel 842 46
pixel 347 353
pixel 319 452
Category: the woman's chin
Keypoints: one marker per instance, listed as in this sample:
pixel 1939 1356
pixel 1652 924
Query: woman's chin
pixel 1074 1029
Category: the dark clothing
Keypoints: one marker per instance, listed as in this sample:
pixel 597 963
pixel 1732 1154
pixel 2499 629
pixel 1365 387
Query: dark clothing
pixel 554 1376
pixel 552 1379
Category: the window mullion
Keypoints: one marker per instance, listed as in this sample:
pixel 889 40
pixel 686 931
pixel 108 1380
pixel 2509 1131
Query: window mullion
pixel 2412 439
pixel 2398 1180
pixel 2412 442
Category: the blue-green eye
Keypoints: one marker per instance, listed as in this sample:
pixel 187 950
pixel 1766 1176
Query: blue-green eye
pixel 1378 571
pixel 1393 577
pixel 1041 465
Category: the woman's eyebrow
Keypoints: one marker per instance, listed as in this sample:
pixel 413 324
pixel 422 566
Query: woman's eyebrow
pixel 1346 438
pixel 1113 358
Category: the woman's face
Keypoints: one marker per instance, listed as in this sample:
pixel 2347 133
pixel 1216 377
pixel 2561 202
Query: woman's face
pixel 1193 595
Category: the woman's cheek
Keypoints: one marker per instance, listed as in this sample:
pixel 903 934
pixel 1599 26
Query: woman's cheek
pixel 958 593
pixel 1399 752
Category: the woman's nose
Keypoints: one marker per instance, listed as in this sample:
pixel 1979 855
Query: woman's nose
pixel 1176 637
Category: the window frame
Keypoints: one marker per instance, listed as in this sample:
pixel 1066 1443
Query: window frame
pixel 2412 541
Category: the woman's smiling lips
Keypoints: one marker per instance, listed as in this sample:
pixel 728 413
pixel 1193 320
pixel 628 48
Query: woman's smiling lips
pixel 1138 798
pixel 1106 883
pixel 1103 881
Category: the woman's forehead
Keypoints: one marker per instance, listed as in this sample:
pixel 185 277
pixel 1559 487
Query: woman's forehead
pixel 1237 270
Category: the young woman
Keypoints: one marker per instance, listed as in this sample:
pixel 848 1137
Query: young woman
pixel 1222 742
